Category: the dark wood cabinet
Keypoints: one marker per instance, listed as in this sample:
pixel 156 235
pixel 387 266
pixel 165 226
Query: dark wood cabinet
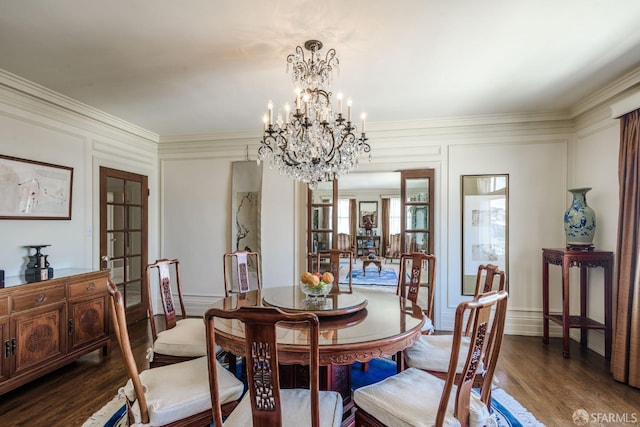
pixel 46 325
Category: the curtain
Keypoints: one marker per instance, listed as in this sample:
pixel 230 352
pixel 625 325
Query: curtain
pixel 385 224
pixel 625 363
pixel 353 219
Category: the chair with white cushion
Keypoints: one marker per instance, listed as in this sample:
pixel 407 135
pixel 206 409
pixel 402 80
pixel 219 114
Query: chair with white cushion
pixel 414 397
pixel 431 352
pixel 266 404
pixel 410 280
pixel 173 395
pixel 182 339
pixel 239 267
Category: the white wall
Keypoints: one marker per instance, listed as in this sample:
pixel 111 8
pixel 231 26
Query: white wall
pixel 36 130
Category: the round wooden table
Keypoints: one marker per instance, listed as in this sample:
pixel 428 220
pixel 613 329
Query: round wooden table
pixel 386 325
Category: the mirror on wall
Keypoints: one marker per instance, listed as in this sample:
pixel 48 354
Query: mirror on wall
pixel 485 225
pixel 368 214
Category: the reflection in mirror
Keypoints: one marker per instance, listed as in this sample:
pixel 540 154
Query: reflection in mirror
pixel 485 225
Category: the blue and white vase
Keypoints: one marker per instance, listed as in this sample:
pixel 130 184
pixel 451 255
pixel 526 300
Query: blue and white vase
pixel 579 220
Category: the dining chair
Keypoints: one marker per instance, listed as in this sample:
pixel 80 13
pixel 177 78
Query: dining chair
pixel 172 395
pixel 266 403
pixel 410 280
pixel 415 397
pixel 412 265
pixel 238 268
pixel 431 352
pixel 335 256
pixel 182 339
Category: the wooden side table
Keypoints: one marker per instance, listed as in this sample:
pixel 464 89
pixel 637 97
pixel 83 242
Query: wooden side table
pixel 584 260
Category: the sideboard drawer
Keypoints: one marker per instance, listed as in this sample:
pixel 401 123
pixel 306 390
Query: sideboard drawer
pixel 90 287
pixel 39 298
pixel 4 306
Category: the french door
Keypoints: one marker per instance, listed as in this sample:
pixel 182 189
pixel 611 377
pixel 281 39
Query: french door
pixel 123 236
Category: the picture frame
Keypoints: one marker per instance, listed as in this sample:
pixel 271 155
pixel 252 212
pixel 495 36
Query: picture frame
pixel 485 225
pixel 368 214
pixel 34 190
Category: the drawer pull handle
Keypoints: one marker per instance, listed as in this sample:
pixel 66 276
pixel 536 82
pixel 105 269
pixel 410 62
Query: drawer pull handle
pixel 41 298
pixel 91 286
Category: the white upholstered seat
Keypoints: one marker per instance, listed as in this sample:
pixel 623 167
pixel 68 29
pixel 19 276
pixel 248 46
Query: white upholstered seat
pixel 411 398
pixel 296 407
pixel 432 352
pixel 186 339
pixel 415 397
pixel 174 392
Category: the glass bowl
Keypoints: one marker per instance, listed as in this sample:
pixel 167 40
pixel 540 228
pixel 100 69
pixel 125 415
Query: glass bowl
pixel 320 290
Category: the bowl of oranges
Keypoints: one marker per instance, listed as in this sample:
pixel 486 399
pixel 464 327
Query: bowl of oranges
pixel 316 285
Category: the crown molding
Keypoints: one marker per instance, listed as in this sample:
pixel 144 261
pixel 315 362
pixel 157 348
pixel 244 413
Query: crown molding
pixel 607 93
pixel 50 97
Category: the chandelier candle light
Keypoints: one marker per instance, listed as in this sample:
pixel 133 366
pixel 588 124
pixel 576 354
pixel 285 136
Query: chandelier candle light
pixel 313 143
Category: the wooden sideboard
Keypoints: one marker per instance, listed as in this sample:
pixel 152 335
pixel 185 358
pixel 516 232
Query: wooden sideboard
pixel 46 325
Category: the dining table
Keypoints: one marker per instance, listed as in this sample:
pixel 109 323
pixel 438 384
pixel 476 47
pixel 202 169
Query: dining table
pixel 355 326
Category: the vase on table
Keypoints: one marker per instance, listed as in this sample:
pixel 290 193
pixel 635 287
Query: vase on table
pixel 579 221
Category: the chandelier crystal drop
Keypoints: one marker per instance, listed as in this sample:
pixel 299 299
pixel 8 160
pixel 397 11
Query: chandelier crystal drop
pixel 312 143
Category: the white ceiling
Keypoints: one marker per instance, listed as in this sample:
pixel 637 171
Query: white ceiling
pixel 201 66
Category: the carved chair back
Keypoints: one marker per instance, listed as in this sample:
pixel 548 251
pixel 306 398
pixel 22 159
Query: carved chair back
pixel 261 350
pixel 488 272
pixel 410 278
pixel 335 256
pixel 484 347
pixel 238 279
pixel 164 268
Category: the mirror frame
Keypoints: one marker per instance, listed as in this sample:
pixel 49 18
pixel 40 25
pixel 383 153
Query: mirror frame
pixel 484 226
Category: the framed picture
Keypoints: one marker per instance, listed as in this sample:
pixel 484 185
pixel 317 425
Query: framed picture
pixel 485 225
pixel 34 190
pixel 368 214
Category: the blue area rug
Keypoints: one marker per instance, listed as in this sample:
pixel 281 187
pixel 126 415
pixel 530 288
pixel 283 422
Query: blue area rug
pixel 505 410
pixel 387 277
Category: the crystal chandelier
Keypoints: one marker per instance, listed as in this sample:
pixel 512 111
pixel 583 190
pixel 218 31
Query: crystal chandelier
pixel 312 143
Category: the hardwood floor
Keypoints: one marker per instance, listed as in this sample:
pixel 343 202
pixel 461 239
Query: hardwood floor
pixel 536 375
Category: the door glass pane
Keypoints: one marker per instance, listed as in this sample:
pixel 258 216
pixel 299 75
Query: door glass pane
pixel 117 270
pixel 135 242
pixel 323 193
pixel 322 241
pixel 417 242
pixel 322 217
pixel 135 217
pixel 134 293
pixel 417 217
pixel 115 244
pixel 115 190
pixel 134 268
pixel 115 221
pixel 134 193
pixel 417 189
